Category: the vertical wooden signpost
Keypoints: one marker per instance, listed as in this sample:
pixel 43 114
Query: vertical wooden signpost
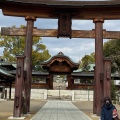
pixel 19 87
pixel 107 77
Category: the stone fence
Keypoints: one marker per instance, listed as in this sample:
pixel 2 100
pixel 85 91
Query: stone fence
pixel 44 94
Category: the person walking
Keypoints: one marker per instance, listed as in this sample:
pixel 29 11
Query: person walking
pixel 108 111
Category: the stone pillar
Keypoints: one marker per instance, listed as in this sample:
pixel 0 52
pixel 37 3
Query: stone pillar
pixel 98 63
pixel 107 78
pixel 45 94
pixel 19 87
pixel 73 95
pixel 28 60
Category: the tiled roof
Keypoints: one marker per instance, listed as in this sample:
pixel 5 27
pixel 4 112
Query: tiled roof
pixel 10 66
pixel 5 73
pixel 60 54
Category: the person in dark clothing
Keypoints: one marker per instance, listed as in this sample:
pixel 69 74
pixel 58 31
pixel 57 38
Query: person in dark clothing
pixel 107 110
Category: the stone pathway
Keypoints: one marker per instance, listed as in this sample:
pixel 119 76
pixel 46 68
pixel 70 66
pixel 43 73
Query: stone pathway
pixel 60 110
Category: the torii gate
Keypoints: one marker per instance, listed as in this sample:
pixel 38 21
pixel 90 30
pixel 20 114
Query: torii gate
pixel 65 12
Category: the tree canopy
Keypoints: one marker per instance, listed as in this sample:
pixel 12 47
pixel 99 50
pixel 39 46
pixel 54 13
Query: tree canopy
pixel 14 45
pixel 86 60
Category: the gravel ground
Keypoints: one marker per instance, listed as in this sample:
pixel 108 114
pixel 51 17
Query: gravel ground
pixel 6 108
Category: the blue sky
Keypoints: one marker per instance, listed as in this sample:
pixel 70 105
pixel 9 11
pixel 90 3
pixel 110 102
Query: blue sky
pixel 74 48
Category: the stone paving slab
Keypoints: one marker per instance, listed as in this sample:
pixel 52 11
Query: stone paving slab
pixel 60 110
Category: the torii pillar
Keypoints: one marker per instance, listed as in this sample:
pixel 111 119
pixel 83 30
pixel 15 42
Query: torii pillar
pixel 98 65
pixel 28 54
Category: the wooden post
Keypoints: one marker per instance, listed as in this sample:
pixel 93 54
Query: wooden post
pixel 47 82
pixel 10 90
pixel 51 81
pixel 98 62
pixel 72 83
pixel 69 81
pixel 28 59
pixel 18 87
pixel 5 93
pixel 94 95
pixel 107 78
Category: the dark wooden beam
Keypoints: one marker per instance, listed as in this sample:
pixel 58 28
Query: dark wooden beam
pixel 53 33
pixel 79 11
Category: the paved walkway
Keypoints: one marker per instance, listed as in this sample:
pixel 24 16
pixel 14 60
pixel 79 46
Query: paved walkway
pixel 60 110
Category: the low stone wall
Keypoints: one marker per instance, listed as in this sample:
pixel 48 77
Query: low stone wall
pixel 83 95
pixel 74 95
pixel 35 93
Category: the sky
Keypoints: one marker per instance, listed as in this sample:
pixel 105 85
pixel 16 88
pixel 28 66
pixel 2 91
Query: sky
pixel 75 48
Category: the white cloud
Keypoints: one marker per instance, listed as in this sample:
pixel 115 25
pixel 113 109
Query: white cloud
pixel 74 48
pixel 82 25
pixel 112 25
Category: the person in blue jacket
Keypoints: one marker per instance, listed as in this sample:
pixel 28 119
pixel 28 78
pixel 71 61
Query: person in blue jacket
pixel 107 110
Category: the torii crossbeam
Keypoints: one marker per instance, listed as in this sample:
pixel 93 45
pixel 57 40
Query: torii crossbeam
pixel 53 33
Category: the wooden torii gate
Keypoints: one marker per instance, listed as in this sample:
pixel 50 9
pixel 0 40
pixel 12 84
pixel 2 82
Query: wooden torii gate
pixel 104 75
pixel 90 12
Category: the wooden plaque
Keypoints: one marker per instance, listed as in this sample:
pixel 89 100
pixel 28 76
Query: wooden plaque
pixel 64 25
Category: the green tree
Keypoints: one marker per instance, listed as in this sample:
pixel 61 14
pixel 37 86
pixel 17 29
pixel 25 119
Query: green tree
pixel 112 49
pixel 86 60
pixel 14 45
